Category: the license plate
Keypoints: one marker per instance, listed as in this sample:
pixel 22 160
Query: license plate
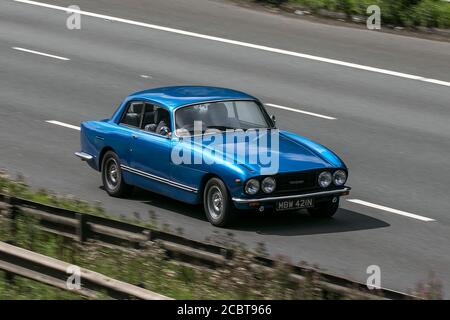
pixel 294 204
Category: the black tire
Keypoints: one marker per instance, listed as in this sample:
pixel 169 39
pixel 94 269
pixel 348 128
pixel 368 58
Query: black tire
pixel 217 203
pixel 325 210
pixel 112 176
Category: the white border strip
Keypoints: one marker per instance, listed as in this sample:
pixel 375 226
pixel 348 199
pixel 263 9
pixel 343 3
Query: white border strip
pixel 41 53
pixel 399 212
pixel 300 111
pixel 240 43
pixel 62 124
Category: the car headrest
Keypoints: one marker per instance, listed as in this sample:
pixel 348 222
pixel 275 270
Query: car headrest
pixel 218 111
pixel 132 119
pixel 149 118
pixel 161 115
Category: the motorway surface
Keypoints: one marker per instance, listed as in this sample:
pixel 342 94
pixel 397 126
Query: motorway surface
pixel 393 130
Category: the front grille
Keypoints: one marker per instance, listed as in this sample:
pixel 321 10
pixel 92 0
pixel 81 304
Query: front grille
pixel 296 181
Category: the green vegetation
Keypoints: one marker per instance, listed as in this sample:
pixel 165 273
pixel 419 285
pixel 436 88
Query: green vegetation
pixel 408 13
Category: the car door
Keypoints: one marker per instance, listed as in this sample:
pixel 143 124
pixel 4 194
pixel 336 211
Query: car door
pixel 150 152
pixel 129 124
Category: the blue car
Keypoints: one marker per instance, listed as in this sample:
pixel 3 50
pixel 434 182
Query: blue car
pixel 214 146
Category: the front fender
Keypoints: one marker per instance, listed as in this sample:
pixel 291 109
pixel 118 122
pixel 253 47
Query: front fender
pixel 194 167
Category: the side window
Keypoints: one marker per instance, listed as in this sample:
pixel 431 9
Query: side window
pixel 133 115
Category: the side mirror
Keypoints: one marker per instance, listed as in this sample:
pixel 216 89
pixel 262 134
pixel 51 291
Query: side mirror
pixel 274 120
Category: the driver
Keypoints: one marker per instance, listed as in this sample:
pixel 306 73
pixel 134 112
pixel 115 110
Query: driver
pixel 162 120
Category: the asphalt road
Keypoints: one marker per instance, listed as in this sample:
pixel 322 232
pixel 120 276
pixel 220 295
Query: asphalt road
pixel 393 132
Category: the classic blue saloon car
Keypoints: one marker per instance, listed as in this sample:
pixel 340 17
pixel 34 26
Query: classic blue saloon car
pixel 213 146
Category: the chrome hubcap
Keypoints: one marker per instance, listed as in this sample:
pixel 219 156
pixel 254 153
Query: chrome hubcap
pixel 112 173
pixel 215 202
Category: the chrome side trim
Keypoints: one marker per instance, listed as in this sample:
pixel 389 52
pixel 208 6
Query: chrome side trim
pixel 159 179
pixel 296 196
pixel 84 156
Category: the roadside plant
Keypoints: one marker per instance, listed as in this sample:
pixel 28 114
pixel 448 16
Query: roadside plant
pixel 431 289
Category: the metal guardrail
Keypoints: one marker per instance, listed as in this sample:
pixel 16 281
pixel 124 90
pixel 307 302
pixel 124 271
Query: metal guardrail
pixel 35 266
pixel 82 227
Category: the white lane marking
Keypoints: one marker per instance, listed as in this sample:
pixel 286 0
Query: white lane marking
pixel 62 124
pixel 299 111
pixel 402 213
pixel 240 43
pixel 40 53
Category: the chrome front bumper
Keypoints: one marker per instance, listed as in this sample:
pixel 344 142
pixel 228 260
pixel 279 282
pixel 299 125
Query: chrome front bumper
pixel 84 156
pixel 339 192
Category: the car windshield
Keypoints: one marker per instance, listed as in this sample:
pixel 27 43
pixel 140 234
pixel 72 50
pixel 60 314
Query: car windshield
pixel 221 115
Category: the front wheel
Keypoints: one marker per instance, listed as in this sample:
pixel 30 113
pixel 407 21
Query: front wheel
pixel 112 176
pixel 325 210
pixel 217 203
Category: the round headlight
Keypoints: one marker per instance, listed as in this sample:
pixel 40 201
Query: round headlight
pixel 339 177
pixel 325 179
pixel 252 186
pixel 268 185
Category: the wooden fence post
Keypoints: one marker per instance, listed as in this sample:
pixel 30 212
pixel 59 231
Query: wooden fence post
pixel 14 211
pixel 81 227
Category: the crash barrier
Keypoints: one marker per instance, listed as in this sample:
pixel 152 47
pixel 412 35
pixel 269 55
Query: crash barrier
pixel 35 266
pixel 84 227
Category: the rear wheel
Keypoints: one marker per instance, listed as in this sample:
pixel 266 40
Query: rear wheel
pixel 217 203
pixel 112 176
pixel 324 210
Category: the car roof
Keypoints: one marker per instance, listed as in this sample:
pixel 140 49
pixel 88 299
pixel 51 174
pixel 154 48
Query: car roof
pixel 173 97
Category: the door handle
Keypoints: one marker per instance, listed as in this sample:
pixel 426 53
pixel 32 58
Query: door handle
pixel 134 136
